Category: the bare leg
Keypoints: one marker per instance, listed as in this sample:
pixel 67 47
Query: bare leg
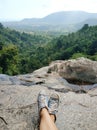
pixel 52 117
pixel 47 120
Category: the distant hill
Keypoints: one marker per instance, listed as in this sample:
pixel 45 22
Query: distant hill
pixel 68 17
pixel 91 22
pixel 65 21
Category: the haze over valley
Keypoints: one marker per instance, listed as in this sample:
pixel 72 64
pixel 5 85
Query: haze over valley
pixel 61 22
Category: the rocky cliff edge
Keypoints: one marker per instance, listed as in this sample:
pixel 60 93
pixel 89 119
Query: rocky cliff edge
pixel 74 80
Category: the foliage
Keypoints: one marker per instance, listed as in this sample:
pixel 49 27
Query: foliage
pixel 81 43
pixel 20 52
pixel 23 53
pixel 9 60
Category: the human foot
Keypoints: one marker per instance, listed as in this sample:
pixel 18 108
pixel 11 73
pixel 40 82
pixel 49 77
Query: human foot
pixel 53 104
pixel 42 100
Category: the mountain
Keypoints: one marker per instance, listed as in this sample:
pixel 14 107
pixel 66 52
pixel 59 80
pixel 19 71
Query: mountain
pixel 65 17
pixel 69 17
pixel 91 22
pixel 65 21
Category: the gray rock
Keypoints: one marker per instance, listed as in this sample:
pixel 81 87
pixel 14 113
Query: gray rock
pixel 79 70
pixel 5 79
pixel 19 109
pixel 18 100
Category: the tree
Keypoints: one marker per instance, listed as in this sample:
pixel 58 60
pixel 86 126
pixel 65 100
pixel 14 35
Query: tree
pixel 86 26
pixel 9 59
pixel 1 26
pixel 93 48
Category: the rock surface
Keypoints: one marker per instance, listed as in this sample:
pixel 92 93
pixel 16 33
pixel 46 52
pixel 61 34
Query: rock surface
pixel 18 99
pixel 81 69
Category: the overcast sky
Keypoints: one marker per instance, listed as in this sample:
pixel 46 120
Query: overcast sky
pixel 19 9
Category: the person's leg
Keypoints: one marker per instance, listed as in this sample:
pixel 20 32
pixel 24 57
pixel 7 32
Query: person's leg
pixel 47 110
pixel 47 120
pixel 52 117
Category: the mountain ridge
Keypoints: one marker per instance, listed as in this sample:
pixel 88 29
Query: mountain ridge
pixel 57 20
pixel 62 15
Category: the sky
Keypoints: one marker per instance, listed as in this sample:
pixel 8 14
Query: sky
pixel 19 9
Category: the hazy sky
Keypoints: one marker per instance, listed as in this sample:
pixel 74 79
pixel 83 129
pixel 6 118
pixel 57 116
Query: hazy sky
pixel 19 9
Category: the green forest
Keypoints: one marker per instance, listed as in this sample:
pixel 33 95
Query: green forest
pixel 22 53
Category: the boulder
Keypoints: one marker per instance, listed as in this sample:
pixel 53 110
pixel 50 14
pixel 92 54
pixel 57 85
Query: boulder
pixel 79 71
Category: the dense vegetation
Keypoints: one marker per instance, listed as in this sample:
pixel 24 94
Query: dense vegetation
pixel 82 43
pixel 23 53
pixel 18 51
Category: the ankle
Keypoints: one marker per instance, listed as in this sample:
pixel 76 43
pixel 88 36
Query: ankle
pixel 43 111
pixel 53 117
